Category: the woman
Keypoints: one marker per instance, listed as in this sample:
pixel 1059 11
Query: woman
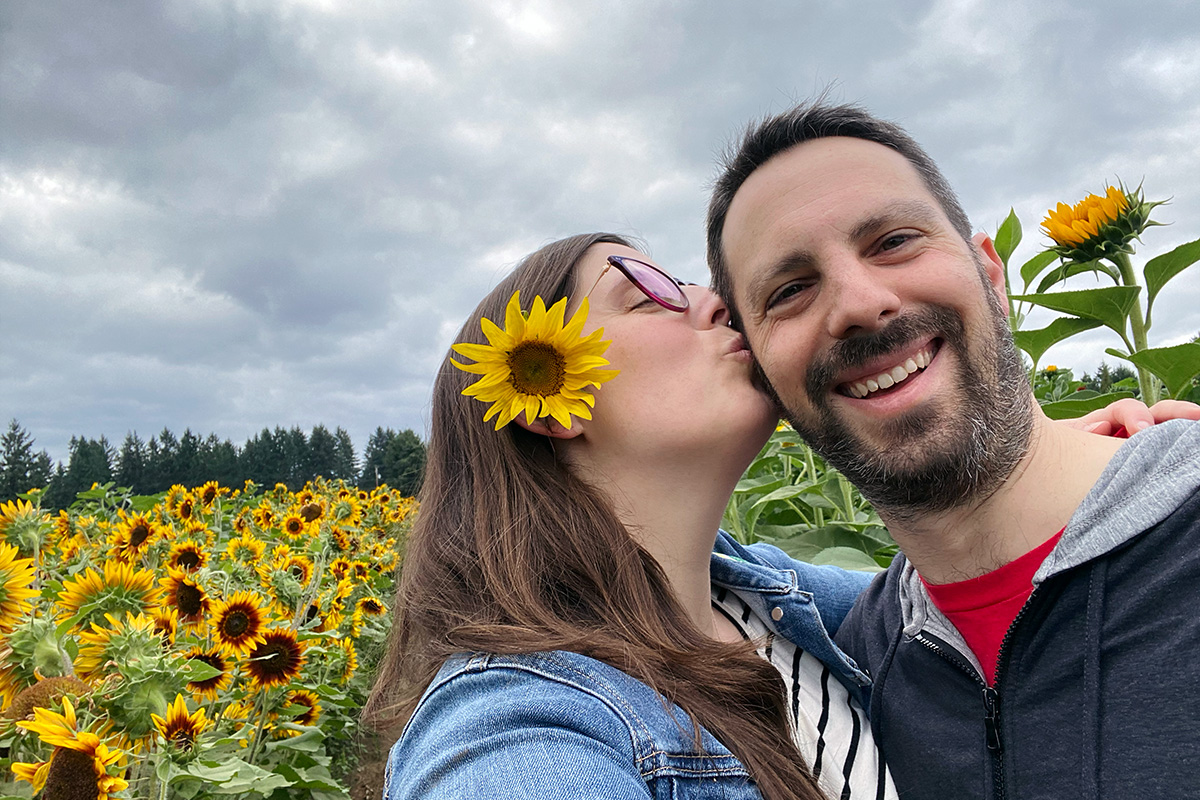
pixel 570 623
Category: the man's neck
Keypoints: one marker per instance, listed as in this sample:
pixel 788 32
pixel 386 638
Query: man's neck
pixel 1035 502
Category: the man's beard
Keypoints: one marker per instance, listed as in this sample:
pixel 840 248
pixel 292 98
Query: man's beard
pixel 938 457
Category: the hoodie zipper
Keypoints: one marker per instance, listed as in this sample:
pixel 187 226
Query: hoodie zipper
pixel 991 697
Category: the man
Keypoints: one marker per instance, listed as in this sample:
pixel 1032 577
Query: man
pixel 1011 657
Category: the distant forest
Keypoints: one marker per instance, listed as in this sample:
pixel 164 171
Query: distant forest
pixel 288 456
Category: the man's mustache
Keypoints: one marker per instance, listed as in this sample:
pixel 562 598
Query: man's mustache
pixel 854 352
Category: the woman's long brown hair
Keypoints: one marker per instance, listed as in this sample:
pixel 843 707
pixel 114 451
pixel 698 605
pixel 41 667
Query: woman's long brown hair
pixel 512 553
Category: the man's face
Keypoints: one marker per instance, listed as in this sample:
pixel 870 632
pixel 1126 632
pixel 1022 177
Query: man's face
pixel 880 330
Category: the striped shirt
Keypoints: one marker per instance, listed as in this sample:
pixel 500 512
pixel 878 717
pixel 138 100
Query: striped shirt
pixel 829 728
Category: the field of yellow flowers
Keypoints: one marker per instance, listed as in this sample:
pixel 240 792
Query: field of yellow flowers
pixel 206 642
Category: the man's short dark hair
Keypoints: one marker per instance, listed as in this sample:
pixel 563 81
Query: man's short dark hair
pixel 773 135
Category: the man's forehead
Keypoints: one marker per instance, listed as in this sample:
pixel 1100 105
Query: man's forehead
pixel 839 182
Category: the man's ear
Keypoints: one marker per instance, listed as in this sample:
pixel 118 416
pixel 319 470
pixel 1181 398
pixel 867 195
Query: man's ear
pixel 549 426
pixel 993 267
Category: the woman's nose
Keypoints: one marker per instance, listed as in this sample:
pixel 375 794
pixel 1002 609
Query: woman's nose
pixel 709 309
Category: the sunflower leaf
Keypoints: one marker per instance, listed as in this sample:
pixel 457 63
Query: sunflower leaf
pixel 194 671
pixel 1037 342
pixel 1175 366
pixel 1008 236
pixel 1034 266
pixel 1064 271
pixel 1161 269
pixel 1110 305
pixel 1072 408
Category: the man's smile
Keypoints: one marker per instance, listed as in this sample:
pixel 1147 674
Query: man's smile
pixel 880 377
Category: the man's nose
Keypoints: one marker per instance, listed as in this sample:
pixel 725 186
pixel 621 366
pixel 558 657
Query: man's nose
pixel 861 298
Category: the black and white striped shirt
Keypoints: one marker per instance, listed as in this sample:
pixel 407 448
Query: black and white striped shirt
pixel 829 728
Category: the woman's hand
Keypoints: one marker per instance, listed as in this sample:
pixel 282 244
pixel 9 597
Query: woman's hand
pixel 1133 416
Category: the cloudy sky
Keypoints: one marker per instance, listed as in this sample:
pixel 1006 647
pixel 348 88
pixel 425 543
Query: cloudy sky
pixel 229 215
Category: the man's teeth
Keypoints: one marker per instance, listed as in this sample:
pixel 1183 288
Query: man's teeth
pixel 886 380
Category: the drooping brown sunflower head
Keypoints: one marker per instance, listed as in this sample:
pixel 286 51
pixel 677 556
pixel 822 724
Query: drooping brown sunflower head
pixel 238 623
pixel 276 659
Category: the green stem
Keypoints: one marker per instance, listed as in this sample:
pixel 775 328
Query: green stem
pixel 1137 324
pixel 261 707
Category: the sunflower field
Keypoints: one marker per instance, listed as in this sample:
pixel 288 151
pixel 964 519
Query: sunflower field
pixel 206 642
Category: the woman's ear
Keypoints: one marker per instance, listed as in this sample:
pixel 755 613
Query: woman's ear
pixel 548 426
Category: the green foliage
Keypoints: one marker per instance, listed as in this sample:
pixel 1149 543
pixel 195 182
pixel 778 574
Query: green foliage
pixel 790 498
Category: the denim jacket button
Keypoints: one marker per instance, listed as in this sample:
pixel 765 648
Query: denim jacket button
pixel 777 613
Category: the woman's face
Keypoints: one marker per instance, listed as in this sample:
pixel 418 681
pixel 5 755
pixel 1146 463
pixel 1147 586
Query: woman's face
pixel 684 382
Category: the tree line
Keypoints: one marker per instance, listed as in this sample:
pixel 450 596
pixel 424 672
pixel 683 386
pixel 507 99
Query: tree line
pixel 148 466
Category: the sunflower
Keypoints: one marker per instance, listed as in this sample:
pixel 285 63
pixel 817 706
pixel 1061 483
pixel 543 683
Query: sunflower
pixel 134 640
pixel 312 511
pixel 121 588
pixel 209 492
pixel 166 622
pixel 371 606
pixel 210 687
pixel 276 659
pixel 345 657
pixel 44 693
pixel 300 567
pixel 179 728
pixel 305 705
pixel 185 595
pixel 133 535
pixel 187 555
pixel 245 549
pixel 1098 227
pixel 536 364
pixel 294 525
pixel 81 762
pixel 22 525
pixel 264 516
pixel 339 568
pixel 16 576
pixel 238 623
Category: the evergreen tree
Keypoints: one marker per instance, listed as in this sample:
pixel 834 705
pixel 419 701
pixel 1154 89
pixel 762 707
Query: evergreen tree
pixel 90 461
pixel 345 462
pixel 404 463
pixel 20 468
pixel 187 460
pixel 131 464
pixel 322 454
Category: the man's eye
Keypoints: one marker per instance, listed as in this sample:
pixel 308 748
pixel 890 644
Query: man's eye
pixel 786 293
pixel 894 240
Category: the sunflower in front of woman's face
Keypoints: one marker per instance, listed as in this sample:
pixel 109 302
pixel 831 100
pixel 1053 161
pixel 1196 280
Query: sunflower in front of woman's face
pixel 276 659
pixel 178 727
pixel 185 595
pixel 120 589
pixel 209 688
pixel 239 623
pixel 16 578
pixel 82 764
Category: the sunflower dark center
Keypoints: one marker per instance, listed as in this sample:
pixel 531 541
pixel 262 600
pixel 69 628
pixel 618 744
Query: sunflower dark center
pixel 297 572
pixel 294 526
pixel 184 737
pixel 185 509
pixel 71 776
pixel 188 559
pixel 190 600
pixel 536 368
pixel 139 534
pixel 236 623
pixel 210 494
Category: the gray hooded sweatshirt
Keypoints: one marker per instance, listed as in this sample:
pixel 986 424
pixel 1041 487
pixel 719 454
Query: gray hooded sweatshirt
pixel 1097 690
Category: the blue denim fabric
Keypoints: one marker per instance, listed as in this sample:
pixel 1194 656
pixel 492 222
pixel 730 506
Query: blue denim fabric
pixel 553 725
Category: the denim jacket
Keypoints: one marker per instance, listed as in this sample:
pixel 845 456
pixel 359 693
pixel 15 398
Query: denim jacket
pixel 553 725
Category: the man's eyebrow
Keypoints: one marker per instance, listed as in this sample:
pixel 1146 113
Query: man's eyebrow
pixel 904 211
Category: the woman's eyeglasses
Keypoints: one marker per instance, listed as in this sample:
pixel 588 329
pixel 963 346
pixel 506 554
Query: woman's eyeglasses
pixel 652 281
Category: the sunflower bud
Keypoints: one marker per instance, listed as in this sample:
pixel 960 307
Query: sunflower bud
pixel 1099 227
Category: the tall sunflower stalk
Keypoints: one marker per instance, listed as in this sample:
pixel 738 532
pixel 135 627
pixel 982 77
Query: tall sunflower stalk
pixel 1097 235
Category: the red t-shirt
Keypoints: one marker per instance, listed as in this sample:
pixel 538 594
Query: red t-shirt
pixel 984 608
